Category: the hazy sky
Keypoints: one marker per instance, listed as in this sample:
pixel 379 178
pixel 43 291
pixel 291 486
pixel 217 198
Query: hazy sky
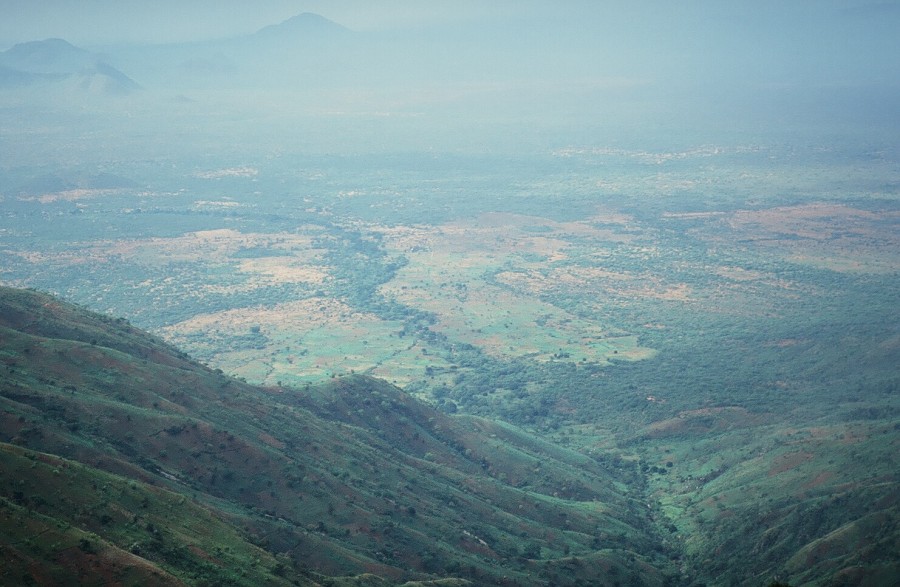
pixel 826 42
pixel 91 22
pixel 111 21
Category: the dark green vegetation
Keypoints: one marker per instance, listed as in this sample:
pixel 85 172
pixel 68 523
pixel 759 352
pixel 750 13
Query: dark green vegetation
pixel 121 454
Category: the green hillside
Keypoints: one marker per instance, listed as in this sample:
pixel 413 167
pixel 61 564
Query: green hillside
pixel 126 463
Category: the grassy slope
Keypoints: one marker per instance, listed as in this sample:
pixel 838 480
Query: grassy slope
pixel 65 522
pixel 356 479
pixel 349 479
pixel 812 503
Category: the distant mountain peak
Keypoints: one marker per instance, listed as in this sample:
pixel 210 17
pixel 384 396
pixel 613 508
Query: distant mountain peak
pixel 311 18
pixel 51 44
pixel 50 56
pixel 58 60
pixel 306 23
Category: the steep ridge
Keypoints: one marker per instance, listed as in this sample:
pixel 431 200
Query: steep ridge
pixel 117 446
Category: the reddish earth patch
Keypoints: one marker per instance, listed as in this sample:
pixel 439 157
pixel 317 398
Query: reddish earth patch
pixel 851 437
pixel 271 441
pixel 474 545
pixel 106 567
pixel 699 422
pixel 789 461
pixel 197 551
pixel 818 480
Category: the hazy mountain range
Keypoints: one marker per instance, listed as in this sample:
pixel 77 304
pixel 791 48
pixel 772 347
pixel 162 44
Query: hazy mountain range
pixel 739 68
